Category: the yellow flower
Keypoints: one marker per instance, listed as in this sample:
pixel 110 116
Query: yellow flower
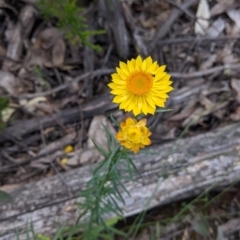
pixel 134 135
pixel 140 86
pixel 68 149
pixel 64 161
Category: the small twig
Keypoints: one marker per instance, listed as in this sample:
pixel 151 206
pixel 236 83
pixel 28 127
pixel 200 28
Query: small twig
pixel 47 155
pixel 2 58
pixel 67 84
pixel 57 74
pixel 197 39
pixel 8 157
pixel 185 10
pixel 205 72
pixel 80 133
pixel 163 31
pixel 108 71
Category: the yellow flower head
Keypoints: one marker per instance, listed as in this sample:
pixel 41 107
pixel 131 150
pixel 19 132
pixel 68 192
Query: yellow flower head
pixel 68 149
pixel 140 86
pixel 134 135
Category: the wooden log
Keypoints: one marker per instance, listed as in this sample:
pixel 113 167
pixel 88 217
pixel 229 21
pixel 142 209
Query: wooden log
pixel 177 171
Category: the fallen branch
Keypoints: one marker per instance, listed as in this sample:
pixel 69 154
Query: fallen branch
pixel 94 107
pixel 174 172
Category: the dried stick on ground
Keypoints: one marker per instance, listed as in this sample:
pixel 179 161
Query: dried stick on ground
pixel 175 172
pixel 22 28
pixel 94 107
pixel 165 28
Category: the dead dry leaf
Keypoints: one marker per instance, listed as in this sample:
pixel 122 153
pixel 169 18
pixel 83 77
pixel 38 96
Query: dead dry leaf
pixel 216 28
pixel 97 133
pixel 221 6
pixel 7 113
pixel 186 112
pixel 9 83
pixel 235 84
pixel 50 48
pixel 234 15
pixel 32 105
pixel 203 16
pixel 225 55
pixel 194 117
pixel 235 116
pixel 58 52
pixel 209 62
pixel 46 38
pixel 83 156
pixel 231 226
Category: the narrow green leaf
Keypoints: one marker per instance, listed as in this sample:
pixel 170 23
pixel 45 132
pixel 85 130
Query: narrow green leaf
pixel 17 234
pixel 101 150
pixel 160 110
pixel 43 237
pixel 118 232
pixel 112 221
pixel 114 121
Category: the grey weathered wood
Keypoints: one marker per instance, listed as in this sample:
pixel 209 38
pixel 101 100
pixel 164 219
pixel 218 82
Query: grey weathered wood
pixel 176 171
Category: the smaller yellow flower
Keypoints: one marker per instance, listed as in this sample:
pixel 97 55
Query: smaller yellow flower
pixel 68 149
pixel 64 161
pixel 134 135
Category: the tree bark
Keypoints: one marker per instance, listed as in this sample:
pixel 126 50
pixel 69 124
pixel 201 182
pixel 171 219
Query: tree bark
pixel 176 171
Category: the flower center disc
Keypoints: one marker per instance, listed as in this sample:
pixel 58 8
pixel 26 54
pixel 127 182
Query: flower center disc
pixel 139 83
pixel 134 134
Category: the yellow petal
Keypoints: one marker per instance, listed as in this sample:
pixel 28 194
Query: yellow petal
pixel 118 91
pixel 116 86
pixel 138 62
pixel 129 107
pixel 116 76
pixel 121 73
pixel 160 86
pixel 144 65
pixel 130 66
pixel 148 61
pixel 151 110
pixel 152 67
pixel 133 61
pixel 130 121
pixel 151 102
pixel 145 107
pixel 168 89
pixel 122 124
pixel 135 148
pixel 146 141
pixel 128 145
pixel 124 68
pixel 159 76
pixel 119 81
pixel 148 134
pixel 119 99
pixel 160 69
pixel 136 111
pixel 120 136
pixel 139 103
pixel 142 123
pixel 159 102
pixel 163 95
pixel 166 77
